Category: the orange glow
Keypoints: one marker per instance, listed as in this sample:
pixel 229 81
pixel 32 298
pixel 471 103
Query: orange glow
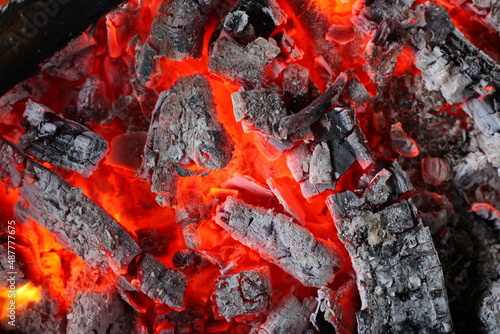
pixel 22 297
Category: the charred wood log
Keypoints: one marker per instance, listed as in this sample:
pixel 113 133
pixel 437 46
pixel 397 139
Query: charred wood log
pixel 85 228
pixel 184 130
pixel 61 142
pixel 279 240
pixel 245 293
pixel 32 31
pixel 399 275
pixel 291 316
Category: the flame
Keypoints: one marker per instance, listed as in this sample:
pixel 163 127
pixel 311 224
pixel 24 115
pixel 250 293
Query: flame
pixel 20 298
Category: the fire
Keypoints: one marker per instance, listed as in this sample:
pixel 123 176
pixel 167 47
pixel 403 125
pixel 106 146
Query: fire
pixel 22 297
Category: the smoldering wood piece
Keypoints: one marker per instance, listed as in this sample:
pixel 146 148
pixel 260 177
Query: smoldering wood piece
pixel 297 160
pixel 277 239
pixel 242 64
pixel 356 91
pixel 296 81
pixel 160 283
pixel 486 12
pixel 290 316
pixel 383 51
pixel 177 31
pixel 485 111
pixel 312 189
pixel 93 104
pixel 260 110
pixel 321 167
pixel 245 293
pixel 490 308
pixel 402 143
pixel 359 146
pixel 300 122
pixel 43 317
pixel 100 311
pixel 32 31
pixel 287 198
pixel 192 262
pixel 184 130
pixel 84 227
pixel 61 142
pixel 399 275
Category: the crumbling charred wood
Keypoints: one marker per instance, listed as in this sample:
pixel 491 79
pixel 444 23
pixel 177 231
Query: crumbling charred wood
pixel 184 130
pixel 84 227
pixel 32 31
pixel 100 311
pixel 245 293
pixel 398 270
pixel 290 316
pixel 242 64
pixel 61 142
pixel 279 240
pixel 177 33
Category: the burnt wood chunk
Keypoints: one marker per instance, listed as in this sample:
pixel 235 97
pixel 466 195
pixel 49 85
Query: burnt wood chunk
pixel 61 142
pixel 184 130
pixel 290 316
pixel 321 169
pixel 84 227
pixel 277 239
pixel 32 31
pixel 296 80
pixel 242 64
pixel 245 293
pixel 399 275
pixel 100 311
pixel 160 283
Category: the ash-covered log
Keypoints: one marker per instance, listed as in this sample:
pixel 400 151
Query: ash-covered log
pixel 290 316
pixel 32 31
pixel 85 228
pixel 184 130
pixel 399 275
pixel 61 142
pixel 277 239
pixel 245 293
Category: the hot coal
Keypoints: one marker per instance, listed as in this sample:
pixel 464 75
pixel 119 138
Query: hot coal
pixel 290 316
pixel 277 239
pixel 61 142
pixel 184 130
pixel 245 293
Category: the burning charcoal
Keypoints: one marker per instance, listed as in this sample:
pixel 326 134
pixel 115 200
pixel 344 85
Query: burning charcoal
pixel 398 271
pixel 341 34
pixel 487 212
pixel 237 25
pixel 61 142
pixel 357 91
pixel 291 316
pixel 383 52
pixel 245 64
pixel 126 150
pixel 288 46
pixel 402 143
pixel 277 239
pixel 245 293
pixel 192 262
pixel 320 167
pixel 152 240
pixel 160 283
pixel 378 191
pixel 287 198
pixel 296 82
pixel 486 112
pixel 83 226
pixel 185 321
pixel 259 109
pixel 312 189
pixel 357 142
pixel 336 308
pixel 435 170
pixel 100 312
pixel 490 309
pixel 184 129
pixel 300 122
pixel 93 104
pixel 178 28
pixel 297 160
pixel 74 62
